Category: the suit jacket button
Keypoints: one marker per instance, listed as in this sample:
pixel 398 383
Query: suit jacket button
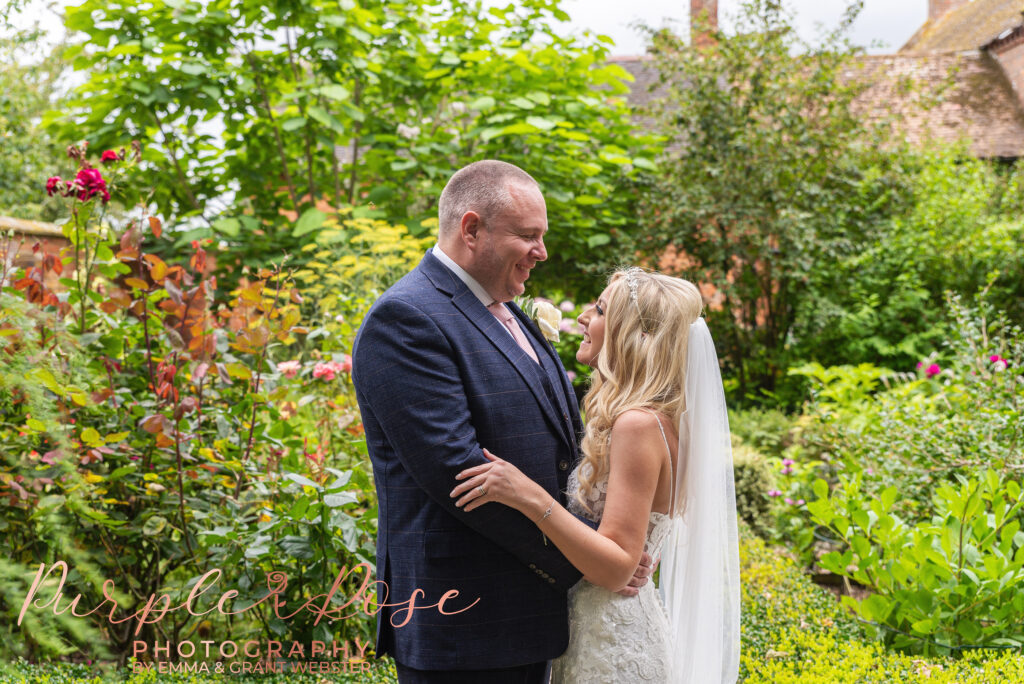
pixel 563 465
pixel 551 580
pixel 532 566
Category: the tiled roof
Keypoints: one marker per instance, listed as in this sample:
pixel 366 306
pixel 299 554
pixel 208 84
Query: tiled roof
pixel 969 27
pixel 979 102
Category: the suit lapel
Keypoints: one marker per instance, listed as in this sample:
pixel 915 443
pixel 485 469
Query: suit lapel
pixel 555 371
pixel 468 304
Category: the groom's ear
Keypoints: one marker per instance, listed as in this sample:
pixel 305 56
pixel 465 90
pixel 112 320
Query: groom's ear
pixel 471 227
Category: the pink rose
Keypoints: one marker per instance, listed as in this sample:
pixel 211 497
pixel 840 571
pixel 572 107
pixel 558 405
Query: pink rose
pixel 999 366
pixel 774 493
pixel 289 368
pixel 53 185
pixel 571 375
pixel 800 502
pixel 324 370
pixel 108 156
pixel 932 370
pixel 567 306
pixel 919 364
pixel 789 502
pixel 330 369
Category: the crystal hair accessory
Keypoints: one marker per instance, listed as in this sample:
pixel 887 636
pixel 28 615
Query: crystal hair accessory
pixel 633 283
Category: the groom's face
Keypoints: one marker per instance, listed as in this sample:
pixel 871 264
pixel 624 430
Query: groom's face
pixel 511 244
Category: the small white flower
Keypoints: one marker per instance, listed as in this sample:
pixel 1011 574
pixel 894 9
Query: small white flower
pixel 339 319
pixel 458 107
pixel 999 366
pixel 548 318
pixel 408 132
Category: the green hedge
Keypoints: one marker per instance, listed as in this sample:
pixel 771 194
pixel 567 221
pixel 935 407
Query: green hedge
pixel 795 632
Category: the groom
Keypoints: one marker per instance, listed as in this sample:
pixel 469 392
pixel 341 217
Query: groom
pixel 444 364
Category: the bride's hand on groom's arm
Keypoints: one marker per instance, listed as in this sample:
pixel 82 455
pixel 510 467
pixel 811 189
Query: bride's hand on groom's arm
pixel 502 482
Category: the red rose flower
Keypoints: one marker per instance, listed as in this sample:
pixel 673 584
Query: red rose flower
pixel 108 156
pixel 88 183
pixel 52 185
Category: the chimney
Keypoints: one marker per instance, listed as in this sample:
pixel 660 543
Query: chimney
pixel 705 13
pixel 937 8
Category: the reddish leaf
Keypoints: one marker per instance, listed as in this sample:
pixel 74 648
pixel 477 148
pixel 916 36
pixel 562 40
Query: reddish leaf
pixel 157 267
pixel 156 226
pixel 174 291
pixel 136 283
pixel 153 423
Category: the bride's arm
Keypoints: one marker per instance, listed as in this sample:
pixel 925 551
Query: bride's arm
pixel 609 555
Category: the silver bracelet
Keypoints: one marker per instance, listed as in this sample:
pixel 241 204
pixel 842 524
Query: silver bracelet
pixel 547 513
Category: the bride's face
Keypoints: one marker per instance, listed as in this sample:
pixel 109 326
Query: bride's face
pixel 592 322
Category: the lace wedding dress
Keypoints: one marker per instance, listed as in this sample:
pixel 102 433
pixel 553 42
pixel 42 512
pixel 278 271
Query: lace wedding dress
pixel 613 638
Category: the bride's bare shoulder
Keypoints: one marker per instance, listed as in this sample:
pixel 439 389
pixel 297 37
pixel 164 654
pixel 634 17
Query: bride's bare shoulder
pixel 635 424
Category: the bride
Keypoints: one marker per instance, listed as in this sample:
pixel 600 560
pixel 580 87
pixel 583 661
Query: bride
pixel 657 476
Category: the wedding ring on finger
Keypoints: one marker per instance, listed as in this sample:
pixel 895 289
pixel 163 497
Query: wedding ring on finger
pixel 481 490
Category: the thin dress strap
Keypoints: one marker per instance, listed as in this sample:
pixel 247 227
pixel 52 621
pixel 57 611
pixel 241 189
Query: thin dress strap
pixel 671 470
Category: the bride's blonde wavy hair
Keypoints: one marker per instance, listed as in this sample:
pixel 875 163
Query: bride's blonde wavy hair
pixel 642 363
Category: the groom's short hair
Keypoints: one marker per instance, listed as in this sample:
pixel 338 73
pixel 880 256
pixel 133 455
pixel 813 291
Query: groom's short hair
pixel 481 187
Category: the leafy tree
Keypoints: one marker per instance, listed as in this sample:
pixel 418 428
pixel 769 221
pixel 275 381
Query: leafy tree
pixel 768 178
pixel 960 231
pixel 261 118
pixel 28 88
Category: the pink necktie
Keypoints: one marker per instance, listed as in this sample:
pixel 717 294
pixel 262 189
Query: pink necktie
pixel 506 317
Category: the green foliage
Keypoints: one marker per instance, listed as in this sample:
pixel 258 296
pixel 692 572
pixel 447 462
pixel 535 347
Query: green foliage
pixel 924 507
pixel 951 580
pixel 957 229
pixel 766 180
pixel 150 438
pixel 922 430
pixel 768 430
pixel 290 109
pixel 28 89
pixel 353 261
pixel 753 482
pixel 796 633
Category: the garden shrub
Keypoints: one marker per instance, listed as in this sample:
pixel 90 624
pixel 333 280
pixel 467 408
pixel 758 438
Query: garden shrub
pixel 920 489
pixel 957 225
pixel 753 482
pixel 769 430
pixel 149 436
pixel 794 632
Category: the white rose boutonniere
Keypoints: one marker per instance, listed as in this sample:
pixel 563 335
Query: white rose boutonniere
pixel 545 314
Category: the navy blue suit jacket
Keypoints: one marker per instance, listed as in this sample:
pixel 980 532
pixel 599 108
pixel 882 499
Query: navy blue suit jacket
pixel 437 379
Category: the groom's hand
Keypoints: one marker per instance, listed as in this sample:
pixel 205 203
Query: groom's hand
pixel 641 576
